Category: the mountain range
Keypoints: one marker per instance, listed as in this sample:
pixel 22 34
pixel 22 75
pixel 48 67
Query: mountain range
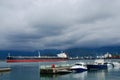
pixel 71 52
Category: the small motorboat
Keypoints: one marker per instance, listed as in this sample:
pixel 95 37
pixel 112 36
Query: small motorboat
pixel 79 67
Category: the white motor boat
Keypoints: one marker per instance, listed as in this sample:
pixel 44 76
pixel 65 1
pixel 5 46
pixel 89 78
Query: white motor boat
pixel 79 67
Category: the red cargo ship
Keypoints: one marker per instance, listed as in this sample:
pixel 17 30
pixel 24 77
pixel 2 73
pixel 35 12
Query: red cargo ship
pixel 60 57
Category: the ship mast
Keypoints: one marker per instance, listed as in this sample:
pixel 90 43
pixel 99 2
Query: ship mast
pixel 39 54
pixel 8 54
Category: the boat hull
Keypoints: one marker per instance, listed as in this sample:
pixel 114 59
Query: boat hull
pixel 79 70
pixel 34 60
pixel 96 67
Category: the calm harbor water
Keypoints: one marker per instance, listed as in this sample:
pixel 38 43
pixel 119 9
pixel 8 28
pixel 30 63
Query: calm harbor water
pixel 30 71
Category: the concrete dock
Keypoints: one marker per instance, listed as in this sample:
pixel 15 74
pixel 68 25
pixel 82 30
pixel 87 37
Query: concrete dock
pixel 5 69
pixel 55 70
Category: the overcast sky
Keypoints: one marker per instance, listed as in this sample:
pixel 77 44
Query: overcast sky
pixel 59 24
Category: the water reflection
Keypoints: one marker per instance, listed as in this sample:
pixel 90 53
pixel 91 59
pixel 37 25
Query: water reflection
pixel 80 76
pixel 52 76
pixel 69 76
pixel 97 75
pixel 91 75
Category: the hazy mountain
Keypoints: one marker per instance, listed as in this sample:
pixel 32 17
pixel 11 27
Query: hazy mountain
pixel 70 52
pixel 93 51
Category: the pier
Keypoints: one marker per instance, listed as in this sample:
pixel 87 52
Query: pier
pixel 55 69
pixel 5 69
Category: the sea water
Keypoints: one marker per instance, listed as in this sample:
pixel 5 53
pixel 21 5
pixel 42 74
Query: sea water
pixel 31 71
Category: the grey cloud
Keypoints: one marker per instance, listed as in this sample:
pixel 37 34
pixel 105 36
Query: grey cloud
pixel 36 24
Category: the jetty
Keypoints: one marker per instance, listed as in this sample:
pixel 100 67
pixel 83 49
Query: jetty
pixel 55 69
pixel 5 69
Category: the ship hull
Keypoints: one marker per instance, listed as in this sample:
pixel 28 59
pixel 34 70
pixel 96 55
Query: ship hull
pixel 34 60
pixel 60 57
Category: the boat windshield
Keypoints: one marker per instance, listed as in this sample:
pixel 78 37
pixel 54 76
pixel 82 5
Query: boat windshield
pixel 80 65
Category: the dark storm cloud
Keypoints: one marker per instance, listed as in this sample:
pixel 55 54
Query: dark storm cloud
pixel 36 24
